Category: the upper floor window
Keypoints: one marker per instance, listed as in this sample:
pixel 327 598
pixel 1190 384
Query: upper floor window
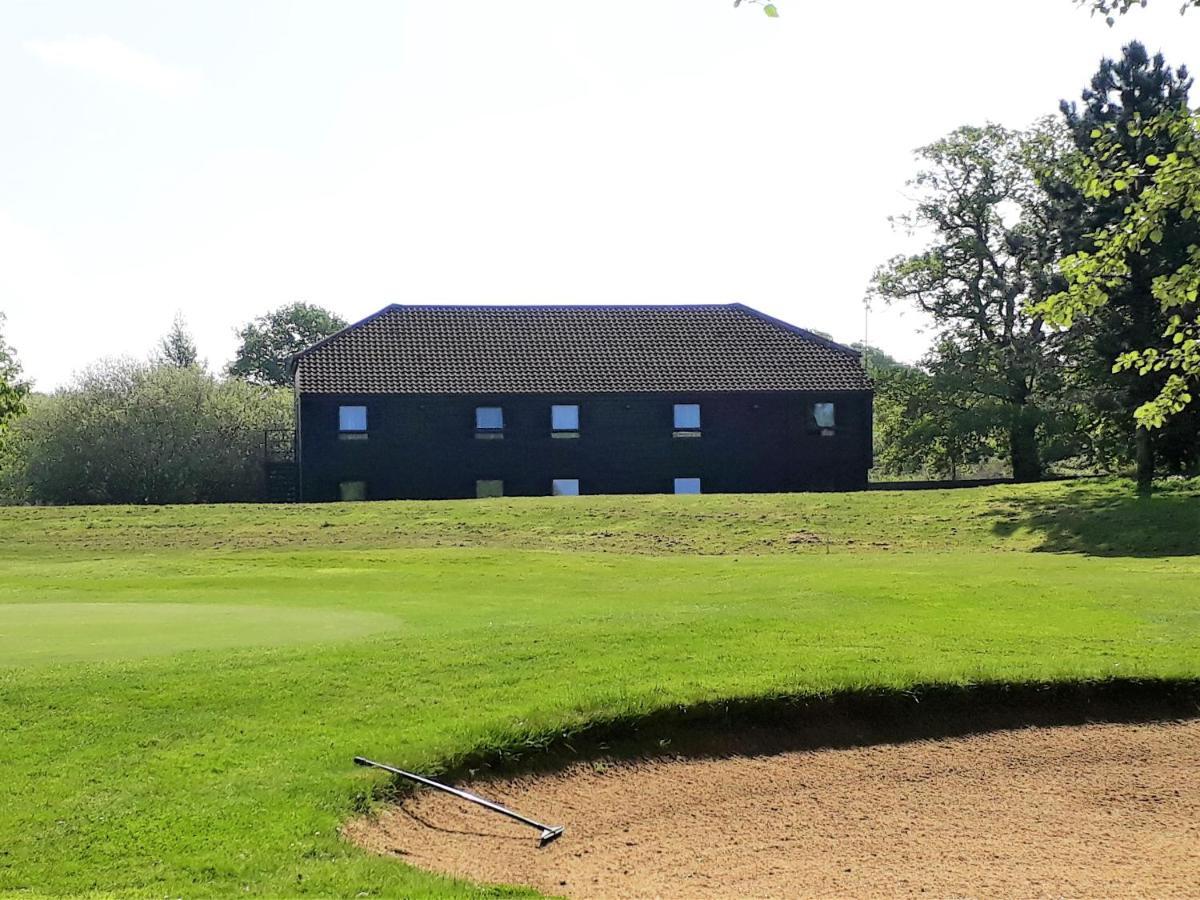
pixel 352 421
pixel 687 419
pixel 564 420
pixel 687 485
pixel 489 421
pixel 565 487
pixel 824 418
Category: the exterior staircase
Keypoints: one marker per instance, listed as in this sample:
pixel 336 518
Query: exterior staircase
pixel 281 473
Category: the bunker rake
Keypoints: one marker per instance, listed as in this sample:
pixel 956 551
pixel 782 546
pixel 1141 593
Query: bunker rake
pixel 548 832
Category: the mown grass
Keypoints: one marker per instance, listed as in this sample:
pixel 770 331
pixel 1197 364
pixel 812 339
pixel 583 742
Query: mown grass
pixel 149 750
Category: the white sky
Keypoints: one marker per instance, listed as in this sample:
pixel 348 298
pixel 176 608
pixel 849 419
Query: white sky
pixel 222 158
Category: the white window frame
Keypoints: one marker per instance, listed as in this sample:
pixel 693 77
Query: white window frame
pixel 685 484
pixel 564 487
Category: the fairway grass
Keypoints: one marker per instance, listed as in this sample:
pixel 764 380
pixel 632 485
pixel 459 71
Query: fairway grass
pixel 183 689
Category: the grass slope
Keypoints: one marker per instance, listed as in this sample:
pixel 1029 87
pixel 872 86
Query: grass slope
pixel 183 688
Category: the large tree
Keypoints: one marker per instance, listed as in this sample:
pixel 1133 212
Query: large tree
pixel 269 342
pixel 1124 94
pixel 989 254
pixel 1139 261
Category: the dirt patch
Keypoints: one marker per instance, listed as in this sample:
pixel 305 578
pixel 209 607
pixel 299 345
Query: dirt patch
pixel 1096 810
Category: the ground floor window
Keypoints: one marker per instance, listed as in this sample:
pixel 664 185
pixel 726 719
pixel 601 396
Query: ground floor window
pixel 352 490
pixel 489 487
pixel 687 485
pixel 565 487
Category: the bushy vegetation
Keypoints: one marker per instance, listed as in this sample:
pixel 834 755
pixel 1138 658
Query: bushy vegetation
pixel 130 432
pixel 164 430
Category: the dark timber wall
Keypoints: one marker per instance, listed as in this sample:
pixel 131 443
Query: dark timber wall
pixel 426 447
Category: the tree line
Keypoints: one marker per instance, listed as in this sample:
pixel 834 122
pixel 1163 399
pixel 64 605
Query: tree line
pixel 1060 267
pixel 159 430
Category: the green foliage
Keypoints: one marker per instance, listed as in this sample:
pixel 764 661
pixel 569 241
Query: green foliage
pixel 1124 92
pixel 924 425
pixel 1112 8
pixel 979 202
pixel 178 348
pixel 13 390
pixel 193 681
pixel 769 8
pixel 1159 197
pixel 270 341
pixel 127 432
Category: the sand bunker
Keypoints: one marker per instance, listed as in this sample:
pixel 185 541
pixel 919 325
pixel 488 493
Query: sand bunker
pixel 1098 810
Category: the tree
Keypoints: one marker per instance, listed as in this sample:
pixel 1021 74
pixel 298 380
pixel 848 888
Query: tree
pixel 13 391
pixel 922 424
pixel 269 342
pixel 177 348
pixel 133 432
pixel 989 255
pixel 1161 196
pixel 1124 93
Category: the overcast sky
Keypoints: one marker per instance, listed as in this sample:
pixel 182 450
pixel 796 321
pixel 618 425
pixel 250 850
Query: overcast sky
pixel 222 158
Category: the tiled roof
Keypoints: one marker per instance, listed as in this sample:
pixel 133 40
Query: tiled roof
pixel 574 349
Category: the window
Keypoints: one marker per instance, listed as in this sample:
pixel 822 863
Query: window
pixel 687 485
pixel 352 490
pixel 489 421
pixel 564 421
pixel 489 487
pixel 565 487
pixel 823 418
pixel 352 422
pixel 687 420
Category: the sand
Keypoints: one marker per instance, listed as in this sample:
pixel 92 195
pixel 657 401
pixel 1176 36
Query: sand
pixel 1096 810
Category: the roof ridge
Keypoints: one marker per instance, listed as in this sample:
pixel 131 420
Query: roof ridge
pixel 545 306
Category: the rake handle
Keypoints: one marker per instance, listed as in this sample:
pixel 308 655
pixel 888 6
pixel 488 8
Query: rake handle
pixel 549 832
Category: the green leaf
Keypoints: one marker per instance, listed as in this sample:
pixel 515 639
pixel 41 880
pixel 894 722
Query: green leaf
pixel 1096 132
pixel 1156 235
pixel 1120 184
pixel 771 11
pixel 1152 160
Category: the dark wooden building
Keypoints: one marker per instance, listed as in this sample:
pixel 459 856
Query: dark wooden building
pixel 467 401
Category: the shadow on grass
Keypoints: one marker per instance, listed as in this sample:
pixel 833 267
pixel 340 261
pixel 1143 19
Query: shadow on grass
pixel 853 718
pixel 1118 522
